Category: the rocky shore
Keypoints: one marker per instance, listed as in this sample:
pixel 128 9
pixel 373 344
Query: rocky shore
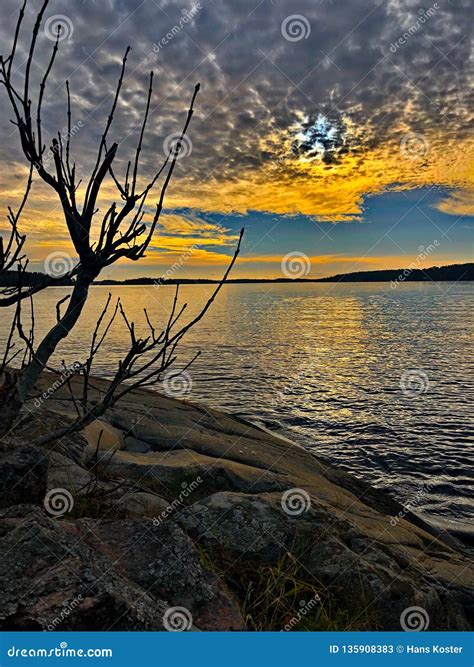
pixel 167 515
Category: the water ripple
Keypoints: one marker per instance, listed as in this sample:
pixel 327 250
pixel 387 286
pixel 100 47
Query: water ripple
pixel 324 364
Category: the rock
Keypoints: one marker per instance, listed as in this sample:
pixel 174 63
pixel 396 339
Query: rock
pixel 165 422
pixel 51 580
pixel 72 446
pixel 243 525
pixel 223 479
pixel 158 434
pixel 161 559
pixel 355 573
pixel 382 502
pixel 23 475
pixel 103 436
pixel 134 445
pixel 139 503
pixel 65 474
pixel 186 474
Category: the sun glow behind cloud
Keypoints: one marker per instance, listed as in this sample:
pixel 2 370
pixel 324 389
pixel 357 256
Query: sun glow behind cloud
pixel 304 130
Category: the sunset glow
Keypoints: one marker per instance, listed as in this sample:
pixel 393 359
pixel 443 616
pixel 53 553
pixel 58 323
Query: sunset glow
pixel 310 144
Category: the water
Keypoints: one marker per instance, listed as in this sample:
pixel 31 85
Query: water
pixel 324 364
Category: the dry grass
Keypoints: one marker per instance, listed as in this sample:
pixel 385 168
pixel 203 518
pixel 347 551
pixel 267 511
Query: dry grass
pixel 284 596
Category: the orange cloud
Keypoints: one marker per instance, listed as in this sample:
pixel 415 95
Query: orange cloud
pixel 460 202
pixel 291 184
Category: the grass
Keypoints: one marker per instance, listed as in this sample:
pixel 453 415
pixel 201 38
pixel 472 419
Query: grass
pixel 284 596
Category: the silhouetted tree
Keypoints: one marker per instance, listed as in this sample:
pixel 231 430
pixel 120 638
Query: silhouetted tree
pixel 122 231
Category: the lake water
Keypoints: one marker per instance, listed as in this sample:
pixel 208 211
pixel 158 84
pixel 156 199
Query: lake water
pixel 377 380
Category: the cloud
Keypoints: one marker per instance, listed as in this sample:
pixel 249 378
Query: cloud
pixel 458 203
pixel 289 127
pixel 190 227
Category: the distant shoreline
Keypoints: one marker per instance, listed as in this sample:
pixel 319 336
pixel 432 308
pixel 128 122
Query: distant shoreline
pixel 450 273
pixel 454 272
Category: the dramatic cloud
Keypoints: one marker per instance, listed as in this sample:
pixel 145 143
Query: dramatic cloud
pixel 306 107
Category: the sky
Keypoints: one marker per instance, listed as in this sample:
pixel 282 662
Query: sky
pixel 338 133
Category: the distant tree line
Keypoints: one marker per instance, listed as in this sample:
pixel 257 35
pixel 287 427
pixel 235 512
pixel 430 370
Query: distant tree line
pixel 30 279
pixel 453 272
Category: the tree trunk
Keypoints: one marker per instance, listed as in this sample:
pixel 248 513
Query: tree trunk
pixel 10 403
pixel 30 374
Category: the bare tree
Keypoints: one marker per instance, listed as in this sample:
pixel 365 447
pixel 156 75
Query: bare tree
pixel 144 363
pixel 122 230
pixel 11 257
pixel 13 262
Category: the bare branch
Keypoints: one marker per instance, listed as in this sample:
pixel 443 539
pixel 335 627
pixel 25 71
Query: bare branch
pixel 87 205
pixel 142 132
pixel 135 369
pixel 122 233
pixel 41 148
